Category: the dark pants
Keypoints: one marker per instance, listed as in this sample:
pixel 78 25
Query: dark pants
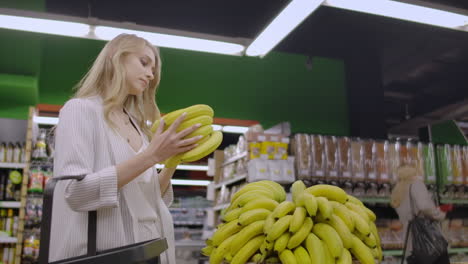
pixel 444 259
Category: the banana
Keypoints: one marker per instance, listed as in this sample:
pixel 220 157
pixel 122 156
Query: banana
pixel 266 248
pixel 310 203
pixel 324 207
pixel 278 228
pixel 272 260
pixel 261 202
pixel 253 216
pixel 370 241
pixel 331 238
pixel 247 250
pixel 206 251
pixel 283 209
pixel 269 221
pixel 354 200
pixel 379 254
pixel 209 242
pixel 277 189
pixel 257 258
pixel 201 131
pixel 374 231
pixel 204 149
pixel 218 254
pixel 232 215
pixel 327 257
pixel 297 238
pixel 342 211
pixel 331 192
pixel 345 258
pixel 203 120
pixel 228 257
pixel 342 230
pixel 299 216
pixel 361 251
pixel 287 257
pixel 370 214
pixel 315 247
pixel 360 224
pixel 247 233
pixel 282 242
pixel 296 189
pixel 225 231
pixel 173 161
pixel 301 255
pixel 192 111
pixel 249 196
pixel 358 209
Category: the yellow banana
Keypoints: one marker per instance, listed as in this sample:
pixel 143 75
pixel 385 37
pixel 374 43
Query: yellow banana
pixel 203 120
pixel 206 251
pixel 173 161
pixel 232 215
pixel 360 224
pixel 324 207
pixel 269 221
pixel 296 189
pixel 278 228
pixel 315 247
pixel 253 216
pixel 361 251
pixel 287 257
pixel 261 202
pixel 302 256
pixel 370 241
pixel 299 216
pixel 342 230
pixel 266 248
pixel 310 203
pixel 201 131
pixel 370 214
pixel 331 192
pixel 249 196
pixel 345 258
pixel 327 257
pixel 247 233
pixel 192 111
pixel 374 231
pixel 257 258
pixel 379 253
pixel 228 257
pixel 225 231
pixel 354 200
pixel 278 190
pixel 272 260
pixel 248 250
pixel 218 254
pixel 282 242
pixel 283 209
pixel 209 242
pixel 204 149
pixel 298 237
pixel 342 211
pixel 357 209
pixel 330 237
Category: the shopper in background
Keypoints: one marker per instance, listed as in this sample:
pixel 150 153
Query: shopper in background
pixel 103 134
pixel 422 202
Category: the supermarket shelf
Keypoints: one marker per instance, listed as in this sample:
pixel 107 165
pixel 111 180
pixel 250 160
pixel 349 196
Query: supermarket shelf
pixel 190 243
pixel 399 252
pixel 9 204
pixel 234 159
pixel 220 207
pixel 375 200
pixel 187 223
pixel 8 240
pixel 457 250
pixel 12 165
pixel 231 181
pixel 453 201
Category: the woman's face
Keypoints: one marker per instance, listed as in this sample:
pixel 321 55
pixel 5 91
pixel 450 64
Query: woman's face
pixel 139 70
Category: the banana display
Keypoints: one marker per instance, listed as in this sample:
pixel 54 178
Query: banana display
pixel 196 114
pixel 321 225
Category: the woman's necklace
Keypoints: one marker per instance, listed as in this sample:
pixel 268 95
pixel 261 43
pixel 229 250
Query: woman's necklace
pixel 127 126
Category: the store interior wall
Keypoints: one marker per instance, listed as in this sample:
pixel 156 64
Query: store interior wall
pixel 279 87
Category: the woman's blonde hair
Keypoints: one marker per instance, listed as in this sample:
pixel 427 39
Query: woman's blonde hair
pixel 406 175
pixel 107 79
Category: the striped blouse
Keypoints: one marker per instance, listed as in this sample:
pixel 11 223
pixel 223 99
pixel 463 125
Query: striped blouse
pixel 85 144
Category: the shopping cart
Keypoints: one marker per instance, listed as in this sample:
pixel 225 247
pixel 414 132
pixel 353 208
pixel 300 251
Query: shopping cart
pixel 146 252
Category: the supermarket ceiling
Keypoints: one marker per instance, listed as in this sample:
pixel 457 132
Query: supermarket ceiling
pixel 424 68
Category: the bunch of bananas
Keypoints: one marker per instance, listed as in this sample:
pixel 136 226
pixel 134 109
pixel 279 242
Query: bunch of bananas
pixel 321 225
pixel 195 114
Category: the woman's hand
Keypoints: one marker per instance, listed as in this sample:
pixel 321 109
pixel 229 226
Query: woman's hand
pixel 166 144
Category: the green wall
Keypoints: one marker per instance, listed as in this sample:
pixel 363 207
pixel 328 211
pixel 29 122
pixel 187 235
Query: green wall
pixel 276 88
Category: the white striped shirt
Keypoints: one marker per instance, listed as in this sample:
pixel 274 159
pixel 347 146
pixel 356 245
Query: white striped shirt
pixel 85 144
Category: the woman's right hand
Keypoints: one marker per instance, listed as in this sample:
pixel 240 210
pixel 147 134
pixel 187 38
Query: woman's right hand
pixel 166 144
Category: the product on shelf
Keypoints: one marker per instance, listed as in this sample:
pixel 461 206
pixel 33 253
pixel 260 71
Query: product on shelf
pixel 344 146
pixel 318 156
pixel 332 160
pixel 31 246
pixel 302 151
pixel 261 223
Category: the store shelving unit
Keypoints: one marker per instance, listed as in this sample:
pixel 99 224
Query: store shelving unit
pixel 234 159
pixel 6 165
pixel 231 181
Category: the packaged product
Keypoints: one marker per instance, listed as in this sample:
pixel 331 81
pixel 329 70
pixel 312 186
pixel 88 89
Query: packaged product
pixel 257 170
pixel 281 149
pixel 392 160
pixel 241 145
pixel 17 153
pixel 457 167
pixel 318 156
pixel 331 154
pixel 9 152
pixel 254 149
pixel 302 151
pixel 429 163
pixel 344 146
pixel 3 148
pixel 287 170
pixel 267 150
pixel 357 157
pixel 369 160
pixel 275 171
pixel 36 180
pixel 465 165
pixel 380 164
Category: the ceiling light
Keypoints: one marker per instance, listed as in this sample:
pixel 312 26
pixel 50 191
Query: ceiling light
pixel 282 25
pixel 404 11
pixel 190 182
pixel 46 26
pixel 235 129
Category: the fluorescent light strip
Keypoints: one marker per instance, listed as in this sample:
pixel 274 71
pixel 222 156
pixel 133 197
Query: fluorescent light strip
pixel 403 11
pixel 187 167
pixel 282 25
pixel 107 30
pixel 190 182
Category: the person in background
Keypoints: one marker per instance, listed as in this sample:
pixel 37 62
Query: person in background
pixel 103 133
pixel 422 202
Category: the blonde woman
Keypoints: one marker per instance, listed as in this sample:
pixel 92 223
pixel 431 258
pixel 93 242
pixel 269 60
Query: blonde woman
pixel 103 134
pixel 422 202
